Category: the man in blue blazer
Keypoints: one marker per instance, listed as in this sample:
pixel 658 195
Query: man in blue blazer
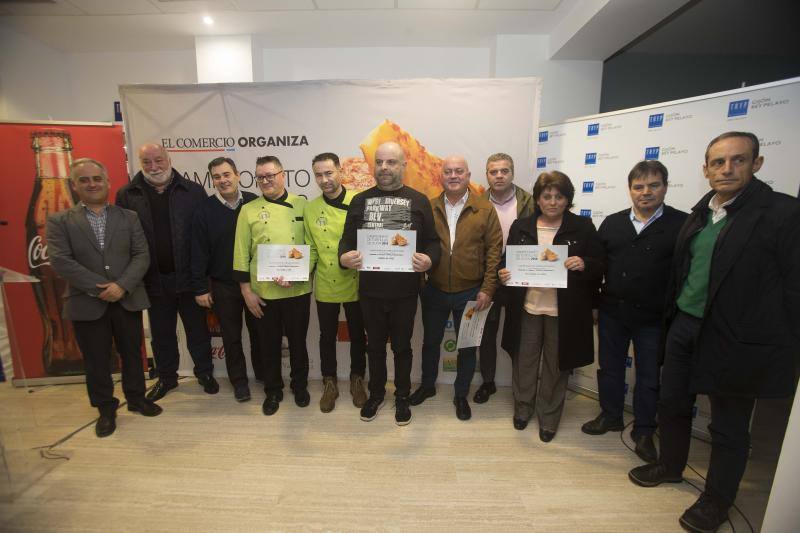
pixel 101 251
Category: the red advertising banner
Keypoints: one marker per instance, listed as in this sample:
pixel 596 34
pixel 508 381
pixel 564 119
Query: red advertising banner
pixel 35 175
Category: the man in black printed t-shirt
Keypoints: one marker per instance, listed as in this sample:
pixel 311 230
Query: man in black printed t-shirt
pixel 389 299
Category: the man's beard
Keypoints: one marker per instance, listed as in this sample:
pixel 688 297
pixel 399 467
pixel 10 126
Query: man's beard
pixel 158 179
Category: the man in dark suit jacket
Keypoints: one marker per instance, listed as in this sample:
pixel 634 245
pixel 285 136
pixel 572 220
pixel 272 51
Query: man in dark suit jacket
pixel 101 251
pixel 639 242
pixel 733 317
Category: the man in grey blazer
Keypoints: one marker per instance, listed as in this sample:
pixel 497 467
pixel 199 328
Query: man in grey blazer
pixel 101 251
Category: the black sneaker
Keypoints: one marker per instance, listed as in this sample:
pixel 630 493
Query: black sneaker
pixel 422 394
pixel 652 475
pixel 402 412
pixel 145 408
pixel 241 392
pixel 705 516
pixel 371 408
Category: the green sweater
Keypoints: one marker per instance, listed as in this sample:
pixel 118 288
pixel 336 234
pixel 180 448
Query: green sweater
pixel 694 293
pixel 263 221
pixel 324 222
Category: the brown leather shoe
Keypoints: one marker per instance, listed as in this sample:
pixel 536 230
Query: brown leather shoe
pixel 357 390
pixel 330 391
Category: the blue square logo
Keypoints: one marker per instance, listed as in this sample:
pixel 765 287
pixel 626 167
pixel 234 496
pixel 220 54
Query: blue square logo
pixel 655 121
pixel 651 153
pixel 738 108
pixel 593 129
pixel 591 158
pixel 541 162
pixel 543 136
pixel 588 186
pixel 629 361
pixel 586 213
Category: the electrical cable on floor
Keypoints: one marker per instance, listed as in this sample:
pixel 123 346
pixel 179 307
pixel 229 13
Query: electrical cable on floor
pixel 622 440
pixel 46 451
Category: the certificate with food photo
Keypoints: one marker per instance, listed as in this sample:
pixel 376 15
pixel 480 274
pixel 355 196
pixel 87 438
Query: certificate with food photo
pixel 289 261
pixel 470 332
pixel 537 266
pixel 386 250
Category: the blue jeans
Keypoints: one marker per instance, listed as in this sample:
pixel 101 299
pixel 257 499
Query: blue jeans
pixel 615 338
pixel 436 308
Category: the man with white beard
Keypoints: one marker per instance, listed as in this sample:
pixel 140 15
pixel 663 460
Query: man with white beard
pixel 165 202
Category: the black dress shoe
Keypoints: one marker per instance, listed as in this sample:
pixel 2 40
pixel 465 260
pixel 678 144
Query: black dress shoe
pixel 652 475
pixel 209 384
pixel 105 426
pixel 270 405
pixel 160 389
pixel 545 435
pixel 602 424
pixel 145 408
pixel 705 516
pixel 463 411
pixel 421 394
pixel 302 398
pixel 484 392
pixel 645 448
pixel 241 392
pixel 520 424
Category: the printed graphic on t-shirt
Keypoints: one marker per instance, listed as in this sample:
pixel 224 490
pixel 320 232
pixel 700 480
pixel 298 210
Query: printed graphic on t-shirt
pixel 387 212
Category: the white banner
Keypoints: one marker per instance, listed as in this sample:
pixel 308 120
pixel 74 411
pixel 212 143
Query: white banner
pixel 294 121
pixel 598 152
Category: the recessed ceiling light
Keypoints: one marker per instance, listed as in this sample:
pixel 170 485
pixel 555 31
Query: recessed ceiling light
pixel 208 21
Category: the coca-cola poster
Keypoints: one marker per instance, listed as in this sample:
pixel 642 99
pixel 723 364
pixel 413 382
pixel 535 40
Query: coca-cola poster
pixel 35 174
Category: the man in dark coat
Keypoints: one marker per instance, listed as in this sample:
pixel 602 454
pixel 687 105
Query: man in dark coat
pixel 639 242
pixel 734 316
pixel 165 202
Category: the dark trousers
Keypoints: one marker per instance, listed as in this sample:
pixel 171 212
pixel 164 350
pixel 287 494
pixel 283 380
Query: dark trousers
pixel 229 306
pixel 384 318
pixel 94 339
pixel 488 353
pixel 615 338
pixel 730 417
pixel 289 316
pixel 328 317
pixel 436 308
pixel 163 313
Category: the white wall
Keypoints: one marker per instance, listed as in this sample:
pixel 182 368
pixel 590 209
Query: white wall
pixel 37 82
pixel 295 64
pixel 224 58
pixel 571 88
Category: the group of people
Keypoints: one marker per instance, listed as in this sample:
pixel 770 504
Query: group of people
pixel 710 300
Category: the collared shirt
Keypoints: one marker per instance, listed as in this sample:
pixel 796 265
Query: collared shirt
pixel 97 222
pixel 235 204
pixel 639 225
pixel 506 212
pixel 718 211
pixel 453 211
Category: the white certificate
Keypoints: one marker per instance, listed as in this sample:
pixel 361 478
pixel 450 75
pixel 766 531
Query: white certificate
pixel 386 250
pixel 537 266
pixel 287 260
pixel 470 331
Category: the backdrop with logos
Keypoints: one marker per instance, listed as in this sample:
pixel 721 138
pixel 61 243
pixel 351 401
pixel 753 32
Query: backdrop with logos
pixel 430 118
pixel 597 153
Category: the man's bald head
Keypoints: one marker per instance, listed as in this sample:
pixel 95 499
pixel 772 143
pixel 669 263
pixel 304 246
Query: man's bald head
pixel 390 165
pixel 455 176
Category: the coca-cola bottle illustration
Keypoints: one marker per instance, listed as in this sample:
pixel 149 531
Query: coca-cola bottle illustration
pixel 51 193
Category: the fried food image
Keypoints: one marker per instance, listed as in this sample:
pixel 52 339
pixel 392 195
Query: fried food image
pixel 356 174
pixel 399 240
pixel 548 255
pixel 468 314
pixel 423 169
pixel 294 253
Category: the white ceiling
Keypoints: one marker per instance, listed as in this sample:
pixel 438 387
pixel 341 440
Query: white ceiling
pixel 578 29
